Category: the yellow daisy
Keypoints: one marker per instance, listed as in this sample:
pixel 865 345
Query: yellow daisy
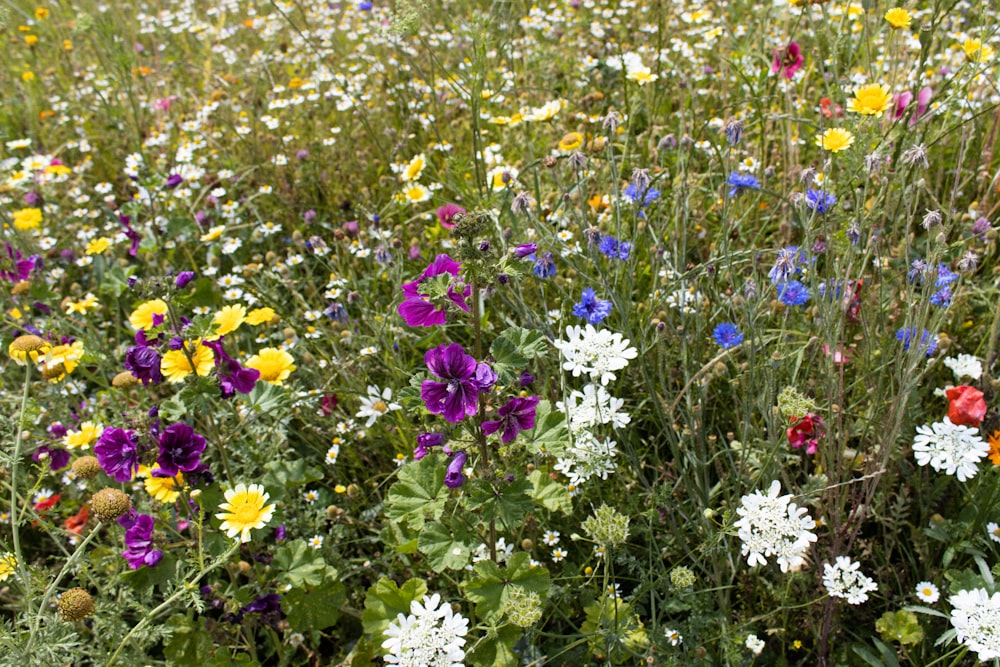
pixel 870 100
pixel 974 49
pixel 89 432
pixel 8 563
pixel 570 142
pixel 835 139
pixel 260 316
pixel 27 347
pixel 413 170
pixel 81 306
pixel 175 365
pixel 229 319
pixel 61 360
pixel 98 245
pixel 163 489
pixel 898 18
pixel 27 218
pixel 274 364
pixel 142 317
pixel 244 510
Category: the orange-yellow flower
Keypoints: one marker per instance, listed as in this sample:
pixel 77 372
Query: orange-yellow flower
pixel 870 100
pixel 274 364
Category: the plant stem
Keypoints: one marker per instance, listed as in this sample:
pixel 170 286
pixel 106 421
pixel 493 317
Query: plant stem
pixel 14 519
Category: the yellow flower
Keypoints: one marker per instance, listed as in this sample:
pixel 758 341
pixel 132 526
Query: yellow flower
pixel 213 233
pixel 641 75
pixel 163 489
pixel 89 432
pixel 28 76
pixel 835 139
pixel 244 510
pixel 61 360
pixel 58 170
pixel 871 100
pixel 31 40
pixel 142 317
pixel 570 142
pixel 414 168
pixel 274 364
pixel 260 316
pixel 175 365
pixel 27 218
pixel 41 13
pixel 898 18
pixel 415 194
pixel 229 319
pixel 995 448
pixel 27 347
pixel 976 51
pixel 98 245
pixel 81 306
pixel 8 564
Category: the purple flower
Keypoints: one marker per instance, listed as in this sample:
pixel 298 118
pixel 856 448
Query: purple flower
pixel 117 451
pixel 453 477
pixel 144 364
pixel 417 309
pixel 233 377
pixel 173 181
pixel 787 60
pixel 446 214
pixel 58 458
pixel 139 549
pixel 130 234
pixel 545 266
pixel 484 378
pixel 180 449
pixel 457 396
pixel 517 415
pixel 525 249
pixel 183 278
pixel 928 341
pixel 820 201
pixel 424 443
pixel 15 268
pixel 591 308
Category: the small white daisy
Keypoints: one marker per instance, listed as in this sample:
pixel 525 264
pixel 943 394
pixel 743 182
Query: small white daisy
pixel 928 592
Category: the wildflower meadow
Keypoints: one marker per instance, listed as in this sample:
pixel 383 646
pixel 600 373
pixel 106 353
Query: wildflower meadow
pixel 492 333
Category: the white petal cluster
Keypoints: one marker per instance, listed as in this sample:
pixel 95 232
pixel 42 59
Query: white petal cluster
pixel 588 457
pixel 844 579
pixel 595 352
pixel 953 448
pixel 592 407
pixel 772 526
pixel 431 636
pixel 976 618
pixel 964 366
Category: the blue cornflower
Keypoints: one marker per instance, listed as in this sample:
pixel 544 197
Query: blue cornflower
pixel 917 270
pixel 365 6
pixel 741 182
pixel 545 266
pixel 591 308
pixel 928 341
pixel 942 298
pixel 650 195
pixel 726 335
pixel 613 248
pixel 945 276
pixel 624 250
pixel 793 293
pixel 819 201
pixel 785 264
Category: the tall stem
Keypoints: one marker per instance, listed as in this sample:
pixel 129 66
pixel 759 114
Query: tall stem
pixel 484 452
pixel 14 516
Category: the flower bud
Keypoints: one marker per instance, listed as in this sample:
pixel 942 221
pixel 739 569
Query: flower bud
pixel 109 504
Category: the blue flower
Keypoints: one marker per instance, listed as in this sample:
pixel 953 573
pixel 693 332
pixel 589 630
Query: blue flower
pixel 793 293
pixel 928 341
pixel 648 197
pixel 785 264
pixel 726 335
pixel 819 201
pixel 545 266
pixel 945 276
pixel 613 248
pixel 741 182
pixel 942 298
pixel 591 308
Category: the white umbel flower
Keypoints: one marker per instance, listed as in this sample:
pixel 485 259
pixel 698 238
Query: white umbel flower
pixel 964 366
pixel 953 448
pixel 592 407
pixel 588 457
pixel 377 403
pixel 844 579
pixel 431 636
pixel 772 526
pixel 595 352
pixel 976 619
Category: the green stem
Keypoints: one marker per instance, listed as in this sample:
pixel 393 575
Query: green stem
pixel 15 532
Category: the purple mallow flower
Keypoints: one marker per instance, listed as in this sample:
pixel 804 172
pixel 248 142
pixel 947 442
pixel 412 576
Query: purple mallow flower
pixel 117 451
pixel 425 441
pixel 417 309
pixel 457 396
pixel 15 268
pixel 144 364
pixel 183 278
pixel 448 214
pixel 58 458
pixel 518 414
pixel 233 377
pixel 180 449
pixel 139 549
pixel 453 477
pixel 525 249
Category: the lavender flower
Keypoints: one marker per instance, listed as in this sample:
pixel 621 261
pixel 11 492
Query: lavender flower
pixel 139 549
pixel 453 477
pixel 425 441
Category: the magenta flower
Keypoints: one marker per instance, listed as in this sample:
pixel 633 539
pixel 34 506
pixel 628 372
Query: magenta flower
pixel 180 449
pixel 232 376
pixel 425 441
pixel 788 59
pixel 903 101
pixel 117 451
pixel 456 397
pixel 417 309
pixel 139 549
pixel 517 415
pixel 447 214
pixel 15 268
pixel 453 477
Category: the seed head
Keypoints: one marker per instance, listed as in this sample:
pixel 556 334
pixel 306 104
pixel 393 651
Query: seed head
pixel 75 604
pixel 109 504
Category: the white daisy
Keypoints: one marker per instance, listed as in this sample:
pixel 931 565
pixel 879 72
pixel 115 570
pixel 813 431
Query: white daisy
pixel 376 403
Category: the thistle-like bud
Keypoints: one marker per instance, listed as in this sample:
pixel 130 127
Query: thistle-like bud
pixel 75 604
pixel 109 504
pixel 86 467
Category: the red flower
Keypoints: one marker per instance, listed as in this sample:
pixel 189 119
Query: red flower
pixel 48 503
pixel 967 406
pixel 830 109
pixel 75 523
pixel 806 431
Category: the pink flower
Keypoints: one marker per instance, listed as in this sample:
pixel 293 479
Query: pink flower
pixel 806 431
pixel 447 214
pixel 417 308
pixel 788 59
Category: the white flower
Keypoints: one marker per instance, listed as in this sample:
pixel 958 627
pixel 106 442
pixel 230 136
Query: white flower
pixel 956 449
pixel 844 579
pixel 551 538
pixel 755 645
pixel 928 592
pixel 593 406
pixel 673 636
pixel 975 617
pixel 964 366
pixel 595 352
pixel 558 555
pixel 771 526
pixel 316 541
pixel 994 530
pixel 332 454
pixel 431 636
pixel 376 403
pixel 588 457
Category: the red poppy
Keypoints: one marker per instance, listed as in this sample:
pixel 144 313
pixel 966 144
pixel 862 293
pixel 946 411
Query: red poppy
pixel 75 523
pixel 967 406
pixel 830 109
pixel 806 431
pixel 48 503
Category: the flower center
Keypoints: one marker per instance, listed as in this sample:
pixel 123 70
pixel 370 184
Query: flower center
pixel 453 386
pixel 246 514
pixel 380 406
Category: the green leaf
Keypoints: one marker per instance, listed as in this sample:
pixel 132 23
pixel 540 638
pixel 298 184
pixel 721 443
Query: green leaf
pixel 512 350
pixel 146 578
pixel 400 536
pixel 488 587
pixel 900 626
pixel 267 398
pixel 506 501
pixel 419 492
pixel 283 474
pixel 549 493
pixel 445 549
pixel 315 608
pixel 497 648
pixel 385 600
pixel 190 644
pixel 298 564
pixel 550 435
